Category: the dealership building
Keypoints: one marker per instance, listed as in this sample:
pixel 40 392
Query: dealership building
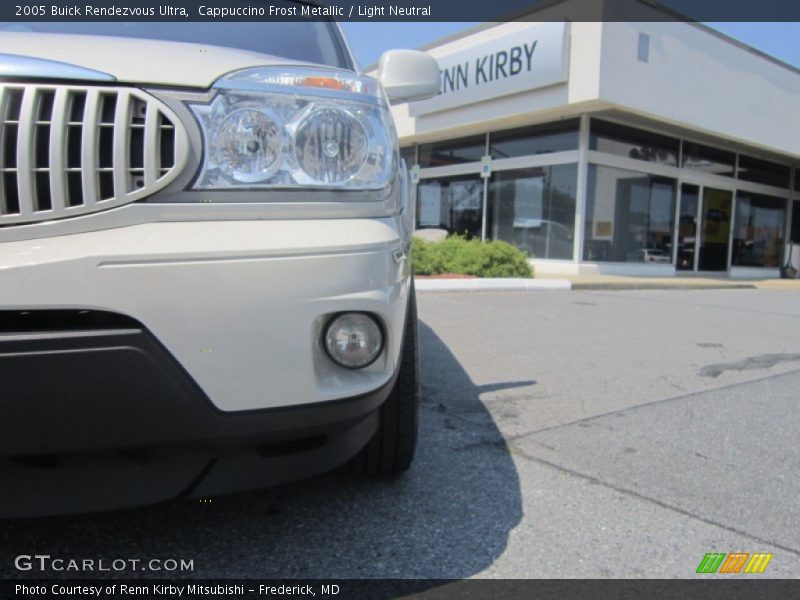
pixel 651 147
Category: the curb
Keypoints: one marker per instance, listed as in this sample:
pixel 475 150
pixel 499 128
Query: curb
pixel 491 285
pixel 661 286
pixel 539 285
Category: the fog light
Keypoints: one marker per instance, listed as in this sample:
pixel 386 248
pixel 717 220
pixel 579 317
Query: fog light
pixel 353 340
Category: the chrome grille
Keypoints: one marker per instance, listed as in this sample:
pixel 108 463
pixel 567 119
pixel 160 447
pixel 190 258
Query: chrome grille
pixel 71 150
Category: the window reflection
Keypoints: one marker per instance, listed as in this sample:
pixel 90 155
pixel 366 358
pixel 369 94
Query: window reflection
pixel 409 155
pixel 629 216
pixel 763 171
pixel 708 160
pixel 451 203
pixel 758 234
pixel 687 226
pixel 534 209
pixel 540 139
pixel 452 152
pixel 633 143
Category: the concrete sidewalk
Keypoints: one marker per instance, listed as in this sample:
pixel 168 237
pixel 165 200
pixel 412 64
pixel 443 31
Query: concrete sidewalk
pixel 601 282
pixel 620 282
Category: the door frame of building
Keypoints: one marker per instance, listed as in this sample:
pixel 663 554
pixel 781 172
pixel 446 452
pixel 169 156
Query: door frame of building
pixel 701 187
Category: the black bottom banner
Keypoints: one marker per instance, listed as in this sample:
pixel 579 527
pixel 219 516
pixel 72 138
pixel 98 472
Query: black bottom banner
pixel 378 589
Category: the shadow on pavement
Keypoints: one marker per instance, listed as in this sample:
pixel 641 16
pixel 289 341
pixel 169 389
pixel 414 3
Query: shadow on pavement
pixel 449 517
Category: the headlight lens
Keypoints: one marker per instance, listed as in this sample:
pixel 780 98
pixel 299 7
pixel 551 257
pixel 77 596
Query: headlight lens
pixel 331 145
pixel 248 145
pixel 309 127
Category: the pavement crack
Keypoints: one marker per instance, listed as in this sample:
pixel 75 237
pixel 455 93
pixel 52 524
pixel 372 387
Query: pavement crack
pixel 627 409
pixel 673 301
pixel 761 361
pixel 660 503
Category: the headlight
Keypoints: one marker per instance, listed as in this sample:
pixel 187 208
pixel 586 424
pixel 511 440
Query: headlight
pixel 280 127
pixel 247 145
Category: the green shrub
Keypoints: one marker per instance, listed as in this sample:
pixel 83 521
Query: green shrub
pixel 456 254
pixel 426 259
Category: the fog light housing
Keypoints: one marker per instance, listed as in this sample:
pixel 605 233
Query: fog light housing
pixel 353 340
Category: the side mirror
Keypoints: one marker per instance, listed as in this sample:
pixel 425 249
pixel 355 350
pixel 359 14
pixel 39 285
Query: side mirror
pixel 408 75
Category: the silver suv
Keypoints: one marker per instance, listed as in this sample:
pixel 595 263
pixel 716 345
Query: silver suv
pixel 204 261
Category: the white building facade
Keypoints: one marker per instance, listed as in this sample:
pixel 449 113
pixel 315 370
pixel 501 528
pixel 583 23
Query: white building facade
pixel 654 147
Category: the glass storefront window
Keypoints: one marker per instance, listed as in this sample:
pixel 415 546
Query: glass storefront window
pixel 796 222
pixel 452 152
pixel 633 143
pixel 539 139
pixel 629 216
pixel 758 232
pixel 763 171
pixel 708 160
pixel 451 203
pixel 687 226
pixel 534 209
pixel 409 155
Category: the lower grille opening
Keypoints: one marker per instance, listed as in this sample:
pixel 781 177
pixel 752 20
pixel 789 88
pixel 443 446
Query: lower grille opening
pixel 34 321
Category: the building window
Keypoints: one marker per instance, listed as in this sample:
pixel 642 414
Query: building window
pixel 629 216
pixel 763 171
pixel 452 152
pixel 451 203
pixel 409 155
pixel 796 222
pixel 643 50
pixel 540 139
pixel 758 232
pixel 534 209
pixel 633 143
pixel 708 160
pixel 797 180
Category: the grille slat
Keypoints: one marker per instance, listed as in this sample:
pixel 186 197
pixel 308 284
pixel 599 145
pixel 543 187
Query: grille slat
pixel 121 160
pixel 152 146
pixel 26 188
pixel 58 152
pixel 3 102
pixel 70 150
pixel 89 147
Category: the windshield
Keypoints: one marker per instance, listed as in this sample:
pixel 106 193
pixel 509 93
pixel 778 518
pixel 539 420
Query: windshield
pixel 308 41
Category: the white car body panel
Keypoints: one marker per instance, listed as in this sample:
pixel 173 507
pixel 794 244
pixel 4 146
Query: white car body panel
pixel 239 304
pixel 149 62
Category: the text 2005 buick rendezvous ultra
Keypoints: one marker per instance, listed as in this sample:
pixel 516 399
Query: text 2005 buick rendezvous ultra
pixel 204 261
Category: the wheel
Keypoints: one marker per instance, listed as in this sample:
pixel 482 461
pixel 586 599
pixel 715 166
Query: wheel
pixel 391 449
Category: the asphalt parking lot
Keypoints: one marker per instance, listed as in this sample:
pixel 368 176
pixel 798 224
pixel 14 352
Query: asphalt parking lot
pixel 564 434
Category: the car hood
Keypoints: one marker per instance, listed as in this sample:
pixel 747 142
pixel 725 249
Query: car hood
pixel 138 61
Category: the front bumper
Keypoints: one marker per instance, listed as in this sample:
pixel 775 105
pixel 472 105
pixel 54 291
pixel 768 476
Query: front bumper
pixel 183 359
pixel 99 416
pixel 239 304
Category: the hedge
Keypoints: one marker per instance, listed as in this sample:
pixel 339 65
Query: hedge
pixel 457 254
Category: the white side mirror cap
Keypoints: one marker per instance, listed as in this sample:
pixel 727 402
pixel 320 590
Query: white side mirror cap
pixel 408 75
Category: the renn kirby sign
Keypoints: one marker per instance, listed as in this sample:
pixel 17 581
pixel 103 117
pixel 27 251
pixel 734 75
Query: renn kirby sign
pixel 534 57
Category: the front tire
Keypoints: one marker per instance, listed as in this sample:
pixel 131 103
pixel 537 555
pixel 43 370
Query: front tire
pixel 391 450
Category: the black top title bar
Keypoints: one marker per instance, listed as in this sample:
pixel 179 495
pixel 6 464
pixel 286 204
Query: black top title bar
pixel 399 10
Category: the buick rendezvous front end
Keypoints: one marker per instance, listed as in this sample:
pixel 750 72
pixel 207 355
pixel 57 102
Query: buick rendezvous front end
pixel 205 279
